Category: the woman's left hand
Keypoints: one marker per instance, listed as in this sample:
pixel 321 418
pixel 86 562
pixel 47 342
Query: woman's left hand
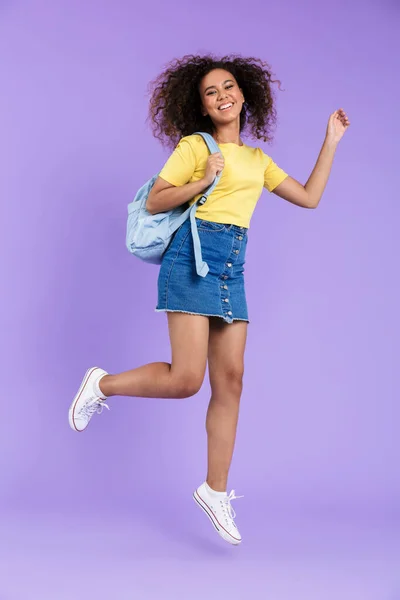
pixel 337 126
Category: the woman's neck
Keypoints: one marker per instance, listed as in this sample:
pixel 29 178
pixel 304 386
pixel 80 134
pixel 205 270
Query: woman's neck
pixel 228 135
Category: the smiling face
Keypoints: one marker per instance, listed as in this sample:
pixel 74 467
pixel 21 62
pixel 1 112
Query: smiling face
pixel 221 97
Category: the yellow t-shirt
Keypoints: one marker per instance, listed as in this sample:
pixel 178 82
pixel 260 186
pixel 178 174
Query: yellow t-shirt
pixel 247 171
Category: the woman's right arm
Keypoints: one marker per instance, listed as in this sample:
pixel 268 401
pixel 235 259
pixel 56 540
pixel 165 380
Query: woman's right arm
pixel 165 196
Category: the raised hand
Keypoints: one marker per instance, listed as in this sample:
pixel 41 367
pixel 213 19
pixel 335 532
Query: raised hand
pixel 337 126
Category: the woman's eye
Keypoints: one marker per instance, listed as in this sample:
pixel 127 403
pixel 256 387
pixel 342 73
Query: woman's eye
pixel 228 87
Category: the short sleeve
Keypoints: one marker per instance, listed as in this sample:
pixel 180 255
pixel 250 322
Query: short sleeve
pixel 180 166
pixel 273 175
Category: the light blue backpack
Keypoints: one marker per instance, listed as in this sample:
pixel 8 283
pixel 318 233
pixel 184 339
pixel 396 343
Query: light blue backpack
pixel 148 236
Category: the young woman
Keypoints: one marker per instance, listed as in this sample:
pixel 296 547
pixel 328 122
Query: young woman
pixel 207 316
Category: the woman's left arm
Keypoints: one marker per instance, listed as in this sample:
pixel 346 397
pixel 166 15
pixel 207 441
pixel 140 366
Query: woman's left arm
pixel 309 195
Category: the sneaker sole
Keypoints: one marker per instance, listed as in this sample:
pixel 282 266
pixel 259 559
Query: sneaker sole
pixel 222 532
pixel 75 400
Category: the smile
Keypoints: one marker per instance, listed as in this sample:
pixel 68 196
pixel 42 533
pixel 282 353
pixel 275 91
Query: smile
pixel 226 106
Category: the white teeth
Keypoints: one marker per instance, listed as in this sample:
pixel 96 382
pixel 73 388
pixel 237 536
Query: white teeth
pixel 225 106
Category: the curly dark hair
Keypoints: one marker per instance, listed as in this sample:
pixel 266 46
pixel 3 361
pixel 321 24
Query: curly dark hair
pixel 175 103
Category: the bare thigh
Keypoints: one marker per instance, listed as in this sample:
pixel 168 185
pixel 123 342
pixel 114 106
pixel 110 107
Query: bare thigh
pixel 180 379
pixel 226 348
pixel 189 335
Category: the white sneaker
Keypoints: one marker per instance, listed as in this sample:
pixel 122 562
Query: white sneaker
pixel 220 512
pixel 86 402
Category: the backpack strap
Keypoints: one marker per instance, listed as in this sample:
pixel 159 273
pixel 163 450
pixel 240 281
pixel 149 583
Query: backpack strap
pixel 212 148
pixel 201 266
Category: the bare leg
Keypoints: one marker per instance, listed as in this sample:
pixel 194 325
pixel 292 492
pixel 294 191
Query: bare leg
pixel 226 365
pixel 180 379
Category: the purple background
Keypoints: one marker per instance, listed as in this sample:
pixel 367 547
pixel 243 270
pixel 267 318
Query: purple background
pixel 109 514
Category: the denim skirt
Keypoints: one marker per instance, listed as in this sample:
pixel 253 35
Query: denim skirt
pixel 221 293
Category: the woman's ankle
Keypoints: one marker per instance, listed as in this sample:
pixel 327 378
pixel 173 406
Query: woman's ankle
pixel 105 385
pixel 217 485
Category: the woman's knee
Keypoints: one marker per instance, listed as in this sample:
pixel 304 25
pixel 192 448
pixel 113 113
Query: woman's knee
pixel 188 385
pixel 228 379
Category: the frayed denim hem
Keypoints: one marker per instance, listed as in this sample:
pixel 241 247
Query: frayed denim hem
pixel 186 312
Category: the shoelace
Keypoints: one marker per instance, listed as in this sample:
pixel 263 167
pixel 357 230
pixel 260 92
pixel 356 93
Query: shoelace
pixel 227 502
pixel 95 405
